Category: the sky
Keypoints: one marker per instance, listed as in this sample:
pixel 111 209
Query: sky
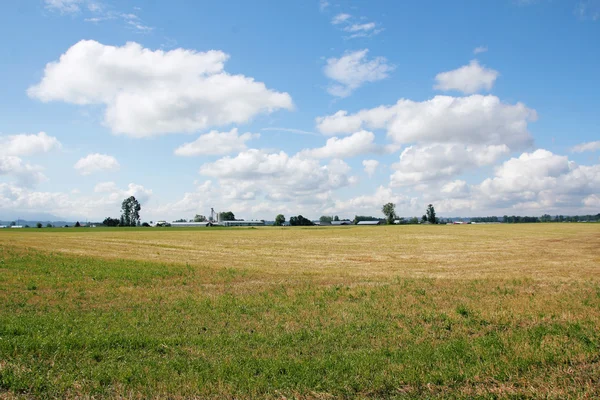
pixel 311 107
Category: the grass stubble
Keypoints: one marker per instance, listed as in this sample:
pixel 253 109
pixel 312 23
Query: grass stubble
pixel 490 311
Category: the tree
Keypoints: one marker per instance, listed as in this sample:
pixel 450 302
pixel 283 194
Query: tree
pixel 336 218
pixel 13 223
pixel 226 216
pixel 49 226
pixel 413 220
pixel 424 218
pixel 77 224
pixel 300 221
pixel 108 221
pixel 389 210
pixel 279 220
pixel 199 218
pixel 431 214
pixel 325 219
pixel 130 211
pixel 181 220
pixel 38 225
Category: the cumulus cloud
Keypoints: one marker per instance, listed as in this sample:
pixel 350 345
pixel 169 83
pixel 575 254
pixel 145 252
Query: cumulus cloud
pixel 467 79
pixel 216 143
pixel 150 92
pixel 592 201
pixel 352 70
pixel 361 142
pixel 457 188
pixel 25 145
pixel 115 194
pixel 370 166
pixel 107 199
pixel 589 146
pixel 473 120
pixel 536 182
pixel 277 175
pixel 480 49
pixel 95 163
pixel 420 164
pixel 371 204
pixel 26 174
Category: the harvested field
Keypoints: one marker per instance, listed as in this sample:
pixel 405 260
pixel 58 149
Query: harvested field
pixel 490 311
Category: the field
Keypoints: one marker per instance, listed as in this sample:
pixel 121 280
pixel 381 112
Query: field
pixel 487 311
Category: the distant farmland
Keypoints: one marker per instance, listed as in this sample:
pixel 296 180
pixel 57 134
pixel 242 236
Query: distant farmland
pixel 489 311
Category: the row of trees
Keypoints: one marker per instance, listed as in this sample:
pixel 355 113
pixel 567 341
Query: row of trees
pixel 389 210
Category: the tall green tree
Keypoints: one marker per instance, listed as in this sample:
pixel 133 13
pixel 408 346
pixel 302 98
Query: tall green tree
pixel 130 212
pixel 301 221
pixel 279 220
pixel 226 216
pixel 325 219
pixel 200 218
pixel 389 210
pixel 431 214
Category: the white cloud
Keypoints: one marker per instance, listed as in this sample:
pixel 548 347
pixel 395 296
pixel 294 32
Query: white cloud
pixel 369 26
pixel 63 6
pixel 472 120
pixel 589 146
pixel 468 79
pixel 156 92
pixel 95 163
pixel 340 18
pixel 420 164
pixel 291 130
pixel 114 194
pixel 457 188
pixel 539 182
pixel 370 166
pixel 480 49
pixel 216 143
pixel 358 143
pixel 277 175
pixel 352 70
pixel 323 4
pixel 26 174
pixel 106 202
pixel 371 204
pixel 25 145
pixel 592 201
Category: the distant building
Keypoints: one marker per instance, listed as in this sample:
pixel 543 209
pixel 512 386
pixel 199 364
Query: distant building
pixel 369 223
pixel 188 224
pixel 338 223
pixel 242 223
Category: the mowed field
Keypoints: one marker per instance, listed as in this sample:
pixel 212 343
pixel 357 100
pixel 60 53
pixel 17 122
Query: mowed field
pixel 473 311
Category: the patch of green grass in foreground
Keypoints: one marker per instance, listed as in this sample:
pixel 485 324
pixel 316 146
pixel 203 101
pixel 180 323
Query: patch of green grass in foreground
pixel 75 326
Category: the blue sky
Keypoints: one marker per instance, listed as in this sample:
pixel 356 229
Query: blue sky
pixel 299 107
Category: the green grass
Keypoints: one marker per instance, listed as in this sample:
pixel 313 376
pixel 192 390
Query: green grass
pixel 89 326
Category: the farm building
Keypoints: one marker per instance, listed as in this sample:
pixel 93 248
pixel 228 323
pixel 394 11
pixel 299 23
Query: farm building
pixel 188 224
pixel 242 223
pixel 369 223
pixel 338 223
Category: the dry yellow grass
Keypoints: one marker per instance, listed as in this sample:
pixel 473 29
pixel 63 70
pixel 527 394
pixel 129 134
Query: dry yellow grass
pixel 536 251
